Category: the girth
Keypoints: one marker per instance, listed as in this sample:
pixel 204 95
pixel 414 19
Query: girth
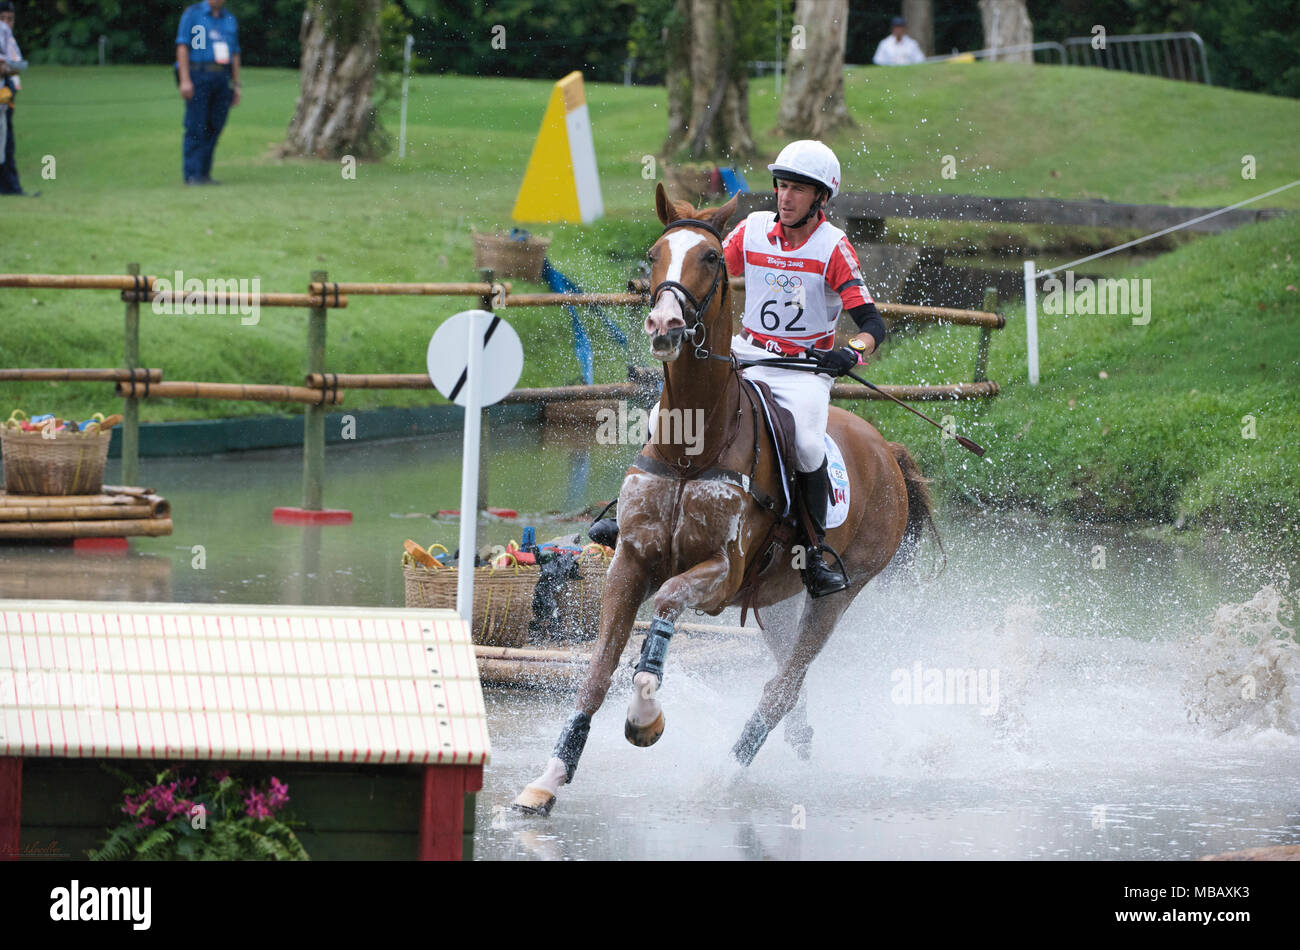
pixel 724 475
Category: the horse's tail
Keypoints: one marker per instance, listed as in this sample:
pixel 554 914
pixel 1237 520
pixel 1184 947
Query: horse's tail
pixel 920 503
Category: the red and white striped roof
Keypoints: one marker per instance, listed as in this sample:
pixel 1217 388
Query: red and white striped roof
pixel 214 681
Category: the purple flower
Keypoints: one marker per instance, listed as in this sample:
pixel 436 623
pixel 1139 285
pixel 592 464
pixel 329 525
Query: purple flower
pixel 279 795
pixel 255 804
pixel 220 775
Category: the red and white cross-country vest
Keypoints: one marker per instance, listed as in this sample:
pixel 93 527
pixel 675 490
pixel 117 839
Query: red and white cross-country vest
pixel 789 304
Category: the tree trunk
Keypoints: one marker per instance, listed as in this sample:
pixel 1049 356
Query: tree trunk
pixel 1006 23
pixel 708 92
pixel 919 15
pixel 813 103
pixel 335 115
pixel 677 76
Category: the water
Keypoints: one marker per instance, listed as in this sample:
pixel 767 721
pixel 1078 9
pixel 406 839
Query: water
pixel 1140 709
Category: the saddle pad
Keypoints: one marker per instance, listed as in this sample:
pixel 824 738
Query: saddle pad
pixel 780 426
pixel 838 509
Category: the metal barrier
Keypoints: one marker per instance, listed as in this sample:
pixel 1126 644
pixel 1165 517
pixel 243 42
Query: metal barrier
pixel 1168 55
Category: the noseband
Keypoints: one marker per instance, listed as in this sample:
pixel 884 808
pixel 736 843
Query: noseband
pixel 696 331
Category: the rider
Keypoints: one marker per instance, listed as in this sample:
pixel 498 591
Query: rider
pixel 800 271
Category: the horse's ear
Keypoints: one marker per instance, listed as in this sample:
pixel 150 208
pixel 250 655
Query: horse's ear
pixel 718 217
pixel 667 212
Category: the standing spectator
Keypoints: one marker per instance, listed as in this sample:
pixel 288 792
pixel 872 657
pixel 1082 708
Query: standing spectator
pixel 207 70
pixel 898 49
pixel 11 64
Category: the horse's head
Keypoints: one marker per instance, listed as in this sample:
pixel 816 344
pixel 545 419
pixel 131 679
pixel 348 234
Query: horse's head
pixel 688 278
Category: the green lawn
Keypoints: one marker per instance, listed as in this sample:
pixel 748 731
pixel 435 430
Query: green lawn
pixel 1152 440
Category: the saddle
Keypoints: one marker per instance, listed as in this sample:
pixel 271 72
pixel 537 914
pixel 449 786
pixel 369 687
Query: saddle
pixel 780 428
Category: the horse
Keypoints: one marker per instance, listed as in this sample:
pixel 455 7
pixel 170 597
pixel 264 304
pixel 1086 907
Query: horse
pixel 695 532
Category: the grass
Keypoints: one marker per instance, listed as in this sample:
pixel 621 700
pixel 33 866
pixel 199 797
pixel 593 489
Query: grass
pixel 1138 422
pixel 1156 439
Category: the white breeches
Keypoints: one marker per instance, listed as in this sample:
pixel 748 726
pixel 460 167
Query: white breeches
pixel 806 395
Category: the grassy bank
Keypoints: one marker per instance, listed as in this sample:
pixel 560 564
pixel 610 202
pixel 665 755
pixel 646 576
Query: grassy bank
pixel 1137 421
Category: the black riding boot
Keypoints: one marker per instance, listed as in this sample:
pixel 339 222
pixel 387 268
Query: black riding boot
pixel 818 576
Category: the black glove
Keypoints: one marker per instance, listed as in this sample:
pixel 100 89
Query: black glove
pixel 836 362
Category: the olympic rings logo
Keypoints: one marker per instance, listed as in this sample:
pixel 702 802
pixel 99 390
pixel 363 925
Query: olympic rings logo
pixel 786 282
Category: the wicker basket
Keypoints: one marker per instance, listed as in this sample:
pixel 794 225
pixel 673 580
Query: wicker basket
pixel 503 599
pixel 68 463
pixel 510 258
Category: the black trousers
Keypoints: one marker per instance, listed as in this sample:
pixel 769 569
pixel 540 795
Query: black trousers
pixel 9 184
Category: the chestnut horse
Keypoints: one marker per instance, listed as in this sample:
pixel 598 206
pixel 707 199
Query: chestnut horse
pixel 692 525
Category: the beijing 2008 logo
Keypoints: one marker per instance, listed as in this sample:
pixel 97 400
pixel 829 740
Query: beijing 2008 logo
pixel 785 282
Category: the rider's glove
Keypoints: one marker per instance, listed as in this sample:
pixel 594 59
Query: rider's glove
pixel 836 362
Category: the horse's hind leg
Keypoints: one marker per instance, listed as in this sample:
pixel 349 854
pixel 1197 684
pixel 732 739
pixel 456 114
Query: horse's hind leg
pixel 781 693
pixel 780 622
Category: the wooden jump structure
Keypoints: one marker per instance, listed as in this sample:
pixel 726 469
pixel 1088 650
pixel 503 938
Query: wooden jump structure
pixel 133 382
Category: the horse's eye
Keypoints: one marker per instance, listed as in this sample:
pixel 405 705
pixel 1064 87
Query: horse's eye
pixel 711 257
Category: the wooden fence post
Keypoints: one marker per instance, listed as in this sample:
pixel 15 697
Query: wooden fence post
pixel 986 333
pixel 313 436
pixel 131 409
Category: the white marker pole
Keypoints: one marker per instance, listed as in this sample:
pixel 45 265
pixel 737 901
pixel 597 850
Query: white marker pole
pixel 1031 321
pixel 469 470
pixel 406 81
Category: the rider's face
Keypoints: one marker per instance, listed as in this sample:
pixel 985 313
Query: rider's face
pixel 793 199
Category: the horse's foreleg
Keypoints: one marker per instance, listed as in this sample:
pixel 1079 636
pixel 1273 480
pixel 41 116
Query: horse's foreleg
pixel 781 692
pixel 779 624
pixel 699 585
pixel 625 587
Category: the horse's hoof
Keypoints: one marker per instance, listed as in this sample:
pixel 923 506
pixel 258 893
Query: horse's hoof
pixel 800 739
pixel 644 736
pixel 534 801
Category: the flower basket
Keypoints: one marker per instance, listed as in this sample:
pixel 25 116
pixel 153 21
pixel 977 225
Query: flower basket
pixel 53 463
pixel 507 256
pixel 503 597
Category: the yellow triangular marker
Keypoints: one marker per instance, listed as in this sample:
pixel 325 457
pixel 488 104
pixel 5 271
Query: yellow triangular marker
pixel 561 183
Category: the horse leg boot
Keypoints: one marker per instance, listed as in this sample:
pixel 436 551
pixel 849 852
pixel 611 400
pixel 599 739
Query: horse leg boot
pixel 617 615
pixel 819 577
pixel 645 716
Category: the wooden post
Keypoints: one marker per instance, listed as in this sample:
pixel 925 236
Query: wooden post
pixel 313 436
pixel 982 357
pixel 11 806
pixel 131 409
pixel 485 430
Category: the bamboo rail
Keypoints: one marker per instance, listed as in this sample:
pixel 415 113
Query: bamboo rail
pixel 153 505
pixel 72 512
pixel 153 375
pixel 179 298
pixel 317 288
pixel 120 528
pixel 985 389
pixel 575 300
pixel 77 281
pixel 250 392
pixel 368 380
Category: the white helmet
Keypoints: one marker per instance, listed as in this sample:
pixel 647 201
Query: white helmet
pixel 811 161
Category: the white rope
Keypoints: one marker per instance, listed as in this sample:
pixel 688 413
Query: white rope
pixel 1176 227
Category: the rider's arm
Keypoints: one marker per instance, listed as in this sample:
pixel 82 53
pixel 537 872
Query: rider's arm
pixel 869 321
pixel 733 246
pixel 844 275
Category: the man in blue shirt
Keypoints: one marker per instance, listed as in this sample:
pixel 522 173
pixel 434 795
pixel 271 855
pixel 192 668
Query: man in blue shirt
pixel 207 69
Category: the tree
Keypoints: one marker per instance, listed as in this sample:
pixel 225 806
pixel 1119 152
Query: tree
pixel 1006 23
pixel 335 115
pixel 920 23
pixel 709 46
pixel 813 103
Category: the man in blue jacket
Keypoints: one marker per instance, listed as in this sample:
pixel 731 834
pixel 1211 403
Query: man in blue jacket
pixel 207 69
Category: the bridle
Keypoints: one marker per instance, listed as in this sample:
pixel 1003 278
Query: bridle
pixel 696 332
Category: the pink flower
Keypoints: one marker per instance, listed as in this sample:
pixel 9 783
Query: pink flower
pixel 255 804
pixel 279 795
pixel 220 775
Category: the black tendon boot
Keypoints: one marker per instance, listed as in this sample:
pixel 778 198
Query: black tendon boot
pixel 818 576
pixel 605 530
